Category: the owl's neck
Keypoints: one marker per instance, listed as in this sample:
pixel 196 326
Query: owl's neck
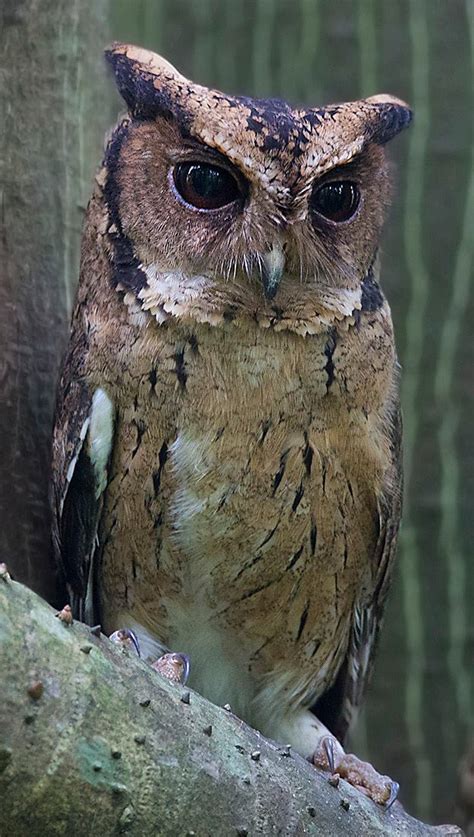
pixel 304 310
pixel 205 299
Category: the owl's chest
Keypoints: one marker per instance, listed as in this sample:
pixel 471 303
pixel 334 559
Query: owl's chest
pixel 243 461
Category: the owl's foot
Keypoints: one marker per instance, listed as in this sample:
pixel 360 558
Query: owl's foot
pixel 127 640
pixel 173 666
pixel 330 756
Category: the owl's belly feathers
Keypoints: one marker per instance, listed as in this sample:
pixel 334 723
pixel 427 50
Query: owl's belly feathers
pixel 241 514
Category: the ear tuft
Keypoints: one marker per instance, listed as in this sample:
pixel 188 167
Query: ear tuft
pixel 390 116
pixel 142 60
pixel 146 81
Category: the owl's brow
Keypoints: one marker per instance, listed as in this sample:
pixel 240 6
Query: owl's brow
pixel 353 167
pixel 193 149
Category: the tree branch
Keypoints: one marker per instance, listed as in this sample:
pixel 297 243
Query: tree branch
pixel 93 741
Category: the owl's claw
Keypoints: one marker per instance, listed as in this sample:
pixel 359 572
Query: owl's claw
pixel 328 745
pixel 330 756
pixel 126 639
pixel 175 666
pixel 393 795
pixel 186 669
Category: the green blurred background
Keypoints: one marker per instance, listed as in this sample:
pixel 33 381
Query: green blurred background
pixel 419 715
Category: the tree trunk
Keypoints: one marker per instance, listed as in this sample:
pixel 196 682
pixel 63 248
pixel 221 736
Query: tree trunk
pixel 52 97
pixel 95 742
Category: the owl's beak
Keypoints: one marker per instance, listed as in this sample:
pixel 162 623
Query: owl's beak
pixel 273 264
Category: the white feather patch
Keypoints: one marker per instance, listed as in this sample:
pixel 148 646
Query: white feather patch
pixel 100 436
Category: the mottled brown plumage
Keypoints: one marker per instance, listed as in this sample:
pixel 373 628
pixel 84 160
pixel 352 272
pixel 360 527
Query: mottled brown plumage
pixel 227 441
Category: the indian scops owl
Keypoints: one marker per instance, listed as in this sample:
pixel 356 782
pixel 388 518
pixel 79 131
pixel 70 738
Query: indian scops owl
pixel 227 439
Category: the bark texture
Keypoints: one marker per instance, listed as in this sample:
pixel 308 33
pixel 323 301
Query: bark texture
pixel 52 95
pixel 95 742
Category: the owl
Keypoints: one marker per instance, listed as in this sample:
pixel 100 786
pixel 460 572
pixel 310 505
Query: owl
pixel 226 452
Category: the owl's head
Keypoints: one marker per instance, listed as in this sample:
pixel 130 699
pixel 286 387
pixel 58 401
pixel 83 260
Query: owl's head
pixel 223 207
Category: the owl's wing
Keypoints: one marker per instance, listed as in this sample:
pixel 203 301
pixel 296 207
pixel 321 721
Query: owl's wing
pixel 338 707
pixel 82 444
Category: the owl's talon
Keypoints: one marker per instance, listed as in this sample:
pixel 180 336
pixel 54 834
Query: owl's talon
pixel 328 754
pixel 394 790
pixel 186 668
pixel 126 639
pixel 328 745
pixel 175 666
pixel 360 774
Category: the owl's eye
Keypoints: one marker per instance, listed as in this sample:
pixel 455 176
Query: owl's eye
pixel 336 201
pixel 205 186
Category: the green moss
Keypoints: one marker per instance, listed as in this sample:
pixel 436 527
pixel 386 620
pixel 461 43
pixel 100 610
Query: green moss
pixel 97 766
